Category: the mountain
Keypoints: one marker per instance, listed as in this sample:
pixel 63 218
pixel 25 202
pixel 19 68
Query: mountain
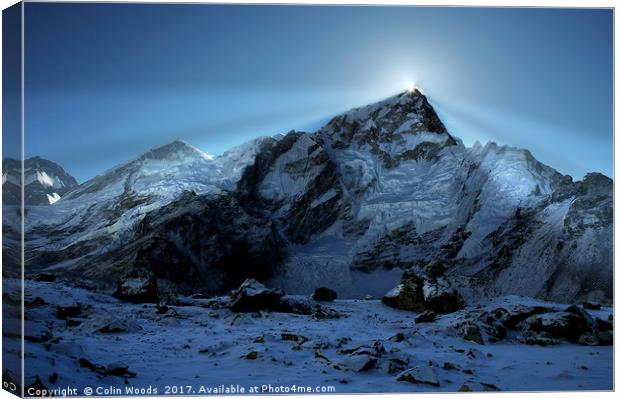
pixel 378 189
pixel 45 181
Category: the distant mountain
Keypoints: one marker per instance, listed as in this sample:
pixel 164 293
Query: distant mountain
pixel 378 189
pixel 45 181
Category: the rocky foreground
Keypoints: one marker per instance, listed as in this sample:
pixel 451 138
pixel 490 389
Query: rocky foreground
pixel 260 336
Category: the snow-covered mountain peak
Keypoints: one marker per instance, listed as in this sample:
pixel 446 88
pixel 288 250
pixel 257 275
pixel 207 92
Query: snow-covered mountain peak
pixel 401 127
pixel 379 187
pixel 45 181
pixel 174 151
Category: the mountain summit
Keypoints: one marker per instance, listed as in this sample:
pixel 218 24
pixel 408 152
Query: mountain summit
pixel 378 189
pixel 45 181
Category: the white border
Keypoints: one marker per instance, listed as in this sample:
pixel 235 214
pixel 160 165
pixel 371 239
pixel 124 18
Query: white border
pixel 475 3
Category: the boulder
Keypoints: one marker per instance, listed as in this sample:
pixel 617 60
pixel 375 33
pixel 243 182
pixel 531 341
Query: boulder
pixel 604 325
pixel 397 364
pixel 138 286
pixel 424 289
pixel 68 309
pixel 324 294
pixel 252 296
pixel 362 358
pixel 419 375
pixel 358 362
pixel 471 332
pixel 513 315
pixel 440 297
pixel 427 316
pixel 567 325
pixel 407 295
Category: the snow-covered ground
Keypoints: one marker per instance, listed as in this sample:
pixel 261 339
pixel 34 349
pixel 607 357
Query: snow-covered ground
pixel 204 344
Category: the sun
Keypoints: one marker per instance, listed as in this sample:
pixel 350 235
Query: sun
pixel 411 87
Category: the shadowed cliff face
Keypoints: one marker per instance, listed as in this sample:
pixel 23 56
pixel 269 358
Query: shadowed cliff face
pixel 381 187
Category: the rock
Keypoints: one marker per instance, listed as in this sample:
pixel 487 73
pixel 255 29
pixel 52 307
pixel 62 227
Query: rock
pixel 440 297
pixel 376 349
pixel 591 306
pixel 471 332
pixel 322 313
pixel 417 291
pixel 115 326
pixel 363 357
pixel 70 309
pixel 324 294
pixel 427 316
pixel 319 355
pixel 359 362
pixel 419 375
pixel 295 304
pixel 475 386
pixel 583 315
pixel 397 364
pixel 106 323
pixel 605 338
pixel 119 369
pixel 588 339
pixel 300 339
pixel 494 328
pixel 398 337
pixel 73 322
pixel 542 339
pixel 252 296
pixel 510 317
pixel 407 295
pixel 568 325
pixel 138 286
pixel 161 309
pixel 435 268
pixel 474 353
pixel 449 366
pixel 87 364
pixel 44 277
pixel 253 355
pixel 604 325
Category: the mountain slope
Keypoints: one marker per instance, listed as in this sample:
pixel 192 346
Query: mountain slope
pixel 379 188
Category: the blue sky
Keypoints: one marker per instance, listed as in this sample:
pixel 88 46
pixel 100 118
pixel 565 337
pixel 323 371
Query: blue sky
pixel 105 82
